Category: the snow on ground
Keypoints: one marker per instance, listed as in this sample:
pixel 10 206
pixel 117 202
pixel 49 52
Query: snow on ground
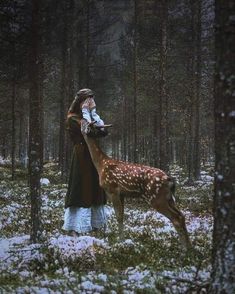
pixel 9 213
pixel 71 248
pixel 64 264
pixel 16 250
pixel 5 161
pixel 152 220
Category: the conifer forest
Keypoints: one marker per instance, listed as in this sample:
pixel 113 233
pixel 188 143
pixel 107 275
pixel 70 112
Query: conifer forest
pixel 162 73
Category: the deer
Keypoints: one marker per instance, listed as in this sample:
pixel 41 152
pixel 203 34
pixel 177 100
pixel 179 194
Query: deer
pixel 119 178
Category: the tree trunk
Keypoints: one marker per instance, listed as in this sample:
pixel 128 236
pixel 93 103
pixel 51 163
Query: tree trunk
pixel 195 73
pixel 62 109
pixel 155 140
pixel 129 130
pixel 35 138
pixel 124 128
pixel 63 94
pixel 135 147
pixel 87 44
pixel 164 160
pixel 13 129
pixel 22 139
pixel 67 86
pixel 13 104
pixel 223 264
pixel 196 157
pixel 190 143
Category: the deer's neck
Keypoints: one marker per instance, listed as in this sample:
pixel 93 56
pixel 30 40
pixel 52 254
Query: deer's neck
pixel 97 155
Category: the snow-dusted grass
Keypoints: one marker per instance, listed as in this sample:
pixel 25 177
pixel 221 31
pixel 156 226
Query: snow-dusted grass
pixel 149 260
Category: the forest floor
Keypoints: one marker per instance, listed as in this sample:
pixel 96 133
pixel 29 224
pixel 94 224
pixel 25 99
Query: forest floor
pixel 149 260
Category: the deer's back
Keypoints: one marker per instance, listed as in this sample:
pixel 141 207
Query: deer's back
pixel 132 177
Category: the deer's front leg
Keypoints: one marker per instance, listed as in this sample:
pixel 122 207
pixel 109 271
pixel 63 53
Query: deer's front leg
pixel 118 204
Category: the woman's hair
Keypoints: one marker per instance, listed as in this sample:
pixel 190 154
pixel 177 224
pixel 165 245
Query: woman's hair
pixel 80 97
pixel 75 106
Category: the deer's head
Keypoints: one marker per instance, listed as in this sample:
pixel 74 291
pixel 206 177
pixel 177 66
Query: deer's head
pixel 91 130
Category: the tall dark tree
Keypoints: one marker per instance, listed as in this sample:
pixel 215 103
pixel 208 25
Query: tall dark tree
pixel 195 81
pixel 197 91
pixel 13 116
pixel 135 56
pixel 223 278
pixel 63 86
pixel 164 139
pixel 66 81
pixel 87 68
pixel 35 134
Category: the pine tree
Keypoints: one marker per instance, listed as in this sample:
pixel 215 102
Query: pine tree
pixel 223 278
pixel 35 135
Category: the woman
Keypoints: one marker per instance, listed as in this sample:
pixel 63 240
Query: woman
pixel 84 202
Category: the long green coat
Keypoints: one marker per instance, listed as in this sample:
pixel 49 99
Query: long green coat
pixel 83 186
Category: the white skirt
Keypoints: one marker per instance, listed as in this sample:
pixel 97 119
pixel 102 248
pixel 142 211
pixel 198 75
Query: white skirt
pixel 83 220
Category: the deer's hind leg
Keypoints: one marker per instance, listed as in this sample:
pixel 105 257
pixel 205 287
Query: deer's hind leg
pixel 165 204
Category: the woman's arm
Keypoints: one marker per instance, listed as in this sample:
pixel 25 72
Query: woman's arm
pixel 96 118
pixel 88 108
pixel 85 107
pixel 86 114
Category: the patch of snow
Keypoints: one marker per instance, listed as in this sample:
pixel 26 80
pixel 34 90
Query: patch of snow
pixel 128 242
pixel 139 279
pixel 203 172
pixel 232 113
pixel 103 277
pixel 44 181
pixel 220 177
pixel 199 223
pixel 90 286
pixel 207 178
pixel 37 290
pixel 4 161
pixel 109 210
pixel 73 247
pixel 7 244
pixel 9 214
pixel 25 274
pixel 11 253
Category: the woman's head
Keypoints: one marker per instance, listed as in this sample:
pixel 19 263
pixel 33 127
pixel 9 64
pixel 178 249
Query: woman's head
pixel 81 95
pixel 85 93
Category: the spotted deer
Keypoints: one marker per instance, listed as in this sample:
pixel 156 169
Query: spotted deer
pixel 119 178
